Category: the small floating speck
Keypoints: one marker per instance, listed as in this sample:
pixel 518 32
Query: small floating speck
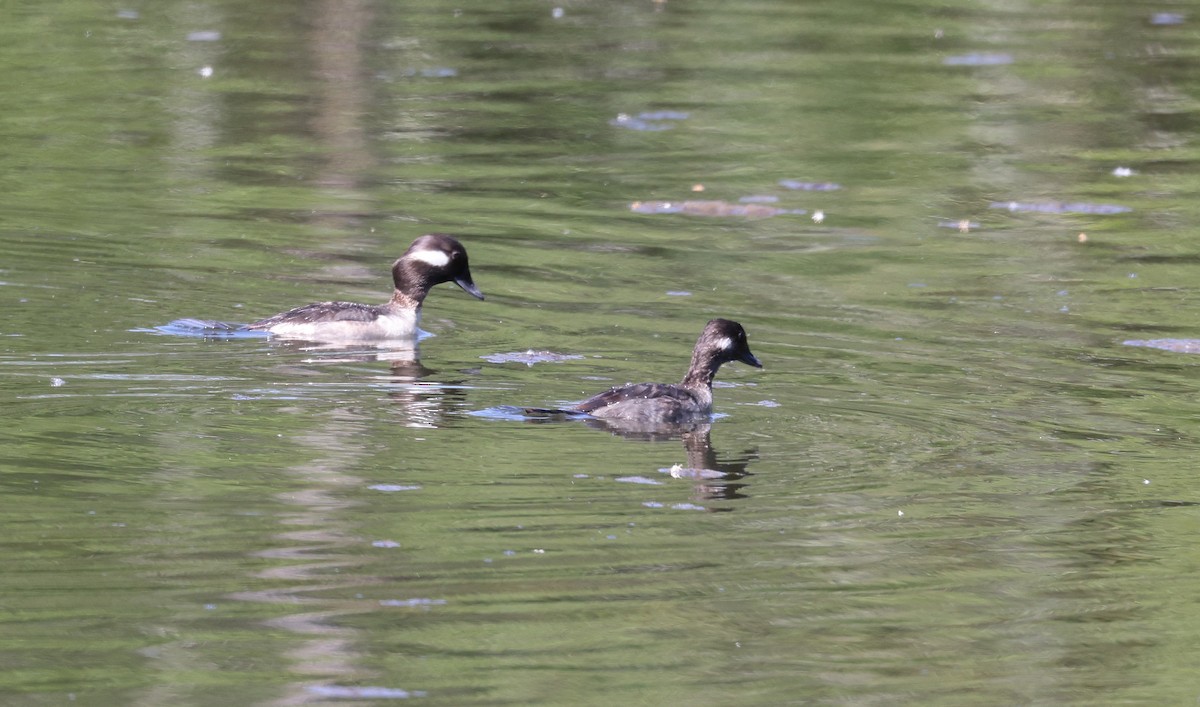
pixel 1167 18
pixel 1146 481
pixel 1190 346
pixel 204 36
pixel 648 121
pixel 205 72
pixel 710 208
pixel 1058 207
pixel 364 692
pixel 412 602
pixel 433 72
pixel 1123 172
pixel 664 115
pixel 391 488
pixel 679 471
pixel 57 382
pixel 818 216
pixel 638 480
pixel 809 186
pixel 962 225
pixel 978 59
pixel 900 514
pixel 557 13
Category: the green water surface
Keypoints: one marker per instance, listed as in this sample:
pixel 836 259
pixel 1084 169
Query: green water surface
pixel 951 483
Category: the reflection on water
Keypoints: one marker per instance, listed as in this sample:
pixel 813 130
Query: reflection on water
pixel 713 478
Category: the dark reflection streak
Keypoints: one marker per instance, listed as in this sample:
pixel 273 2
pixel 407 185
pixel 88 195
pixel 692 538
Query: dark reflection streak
pixel 314 550
pixel 327 651
pixel 339 33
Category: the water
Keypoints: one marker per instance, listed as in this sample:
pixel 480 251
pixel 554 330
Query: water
pixel 952 483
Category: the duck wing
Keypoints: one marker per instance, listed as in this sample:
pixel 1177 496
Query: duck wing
pixel 634 391
pixel 321 312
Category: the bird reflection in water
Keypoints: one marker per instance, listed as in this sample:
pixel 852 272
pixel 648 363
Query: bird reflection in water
pixel 713 478
pixel 419 402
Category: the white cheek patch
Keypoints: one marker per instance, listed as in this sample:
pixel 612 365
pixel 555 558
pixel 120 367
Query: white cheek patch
pixel 725 343
pixel 436 258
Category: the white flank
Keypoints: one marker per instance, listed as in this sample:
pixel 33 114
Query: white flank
pixel 389 327
pixel 436 258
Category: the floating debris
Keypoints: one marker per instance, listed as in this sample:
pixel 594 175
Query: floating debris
pixel 649 121
pixel 710 208
pixel 1190 346
pixel 1123 172
pixel 529 357
pixel 809 186
pixel 818 216
pixel 679 471
pixel 57 382
pixel 664 115
pixel 390 488
pixel 435 72
pixel 364 692
pixel 978 59
pixel 204 36
pixel 1058 207
pixel 1167 18
pixel 963 225
pixel 412 602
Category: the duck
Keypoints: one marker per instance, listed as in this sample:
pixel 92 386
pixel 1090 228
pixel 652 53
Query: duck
pixel 432 259
pixel 722 341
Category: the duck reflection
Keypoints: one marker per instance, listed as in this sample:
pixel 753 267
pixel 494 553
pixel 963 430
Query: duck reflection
pixel 421 396
pixel 714 477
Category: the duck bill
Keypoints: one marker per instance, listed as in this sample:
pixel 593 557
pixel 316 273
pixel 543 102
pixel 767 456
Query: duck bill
pixel 468 285
pixel 750 360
